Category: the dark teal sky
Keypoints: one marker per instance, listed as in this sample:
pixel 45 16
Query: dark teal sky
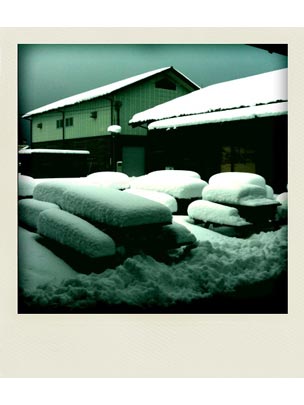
pixel 47 73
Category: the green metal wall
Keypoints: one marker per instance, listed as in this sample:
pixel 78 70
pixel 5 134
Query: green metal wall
pixel 133 99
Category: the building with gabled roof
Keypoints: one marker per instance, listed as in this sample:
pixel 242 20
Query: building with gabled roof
pixel 97 120
pixel 238 125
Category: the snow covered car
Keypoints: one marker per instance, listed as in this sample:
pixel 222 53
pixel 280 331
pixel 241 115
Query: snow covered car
pixel 236 199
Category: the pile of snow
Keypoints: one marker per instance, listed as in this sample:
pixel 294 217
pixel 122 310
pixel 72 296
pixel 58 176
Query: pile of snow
pixel 65 180
pixel 115 129
pixel 158 196
pixel 219 266
pixel 76 233
pixel 175 172
pixel 182 187
pixel 238 194
pixel 26 185
pixel 113 207
pixel 216 213
pixel 238 188
pixel 52 191
pixel 237 178
pixel 29 210
pixel 109 179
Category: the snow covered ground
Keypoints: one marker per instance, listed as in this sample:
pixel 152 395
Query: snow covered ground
pixel 214 272
pixel 220 265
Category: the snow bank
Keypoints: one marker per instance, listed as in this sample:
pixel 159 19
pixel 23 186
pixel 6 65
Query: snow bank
pixel 212 212
pixel 76 233
pixel 242 194
pixel 236 178
pixel 211 268
pixel 182 187
pixel 26 185
pixel 109 179
pixel 179 173
pixel 114 207
pixel 29 210
pixel 158 196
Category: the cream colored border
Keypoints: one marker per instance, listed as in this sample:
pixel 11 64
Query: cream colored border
pixel 149 345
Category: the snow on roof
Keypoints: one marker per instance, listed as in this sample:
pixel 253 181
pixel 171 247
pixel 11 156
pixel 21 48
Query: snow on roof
pixel 222 116
pixel 101 91
pixel 64 151
pixel 249 91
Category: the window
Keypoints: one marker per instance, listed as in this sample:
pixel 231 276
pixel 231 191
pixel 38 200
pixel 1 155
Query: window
pixel 93 114
pixel 69 122
pixel 238 159
pixel 39 125
pixel 59 123
pixel 165 84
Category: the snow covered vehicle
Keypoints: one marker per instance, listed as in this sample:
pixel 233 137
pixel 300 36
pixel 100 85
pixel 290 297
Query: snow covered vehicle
pixel 97 224
pixel 241 200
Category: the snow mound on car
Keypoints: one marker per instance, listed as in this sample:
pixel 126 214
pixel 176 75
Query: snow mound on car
pixel 76 233
pixel 158 196
pixel 208 211
pixel 113 207
pixel 29 210
pixel 109 179
pixel 182 187
pixel 237 178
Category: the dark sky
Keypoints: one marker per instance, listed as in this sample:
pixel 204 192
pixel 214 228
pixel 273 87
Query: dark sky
pixel 47 73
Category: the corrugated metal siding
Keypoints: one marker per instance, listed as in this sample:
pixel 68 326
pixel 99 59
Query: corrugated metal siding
pixel 83 125
pixel 134 99
pixel 141 97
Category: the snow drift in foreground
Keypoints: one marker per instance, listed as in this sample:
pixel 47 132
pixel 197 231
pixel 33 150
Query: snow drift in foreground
pixel 212 267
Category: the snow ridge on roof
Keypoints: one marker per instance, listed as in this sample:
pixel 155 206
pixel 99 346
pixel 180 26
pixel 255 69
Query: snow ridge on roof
pixel 249 91
pixel 235 114
pixel 98 92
